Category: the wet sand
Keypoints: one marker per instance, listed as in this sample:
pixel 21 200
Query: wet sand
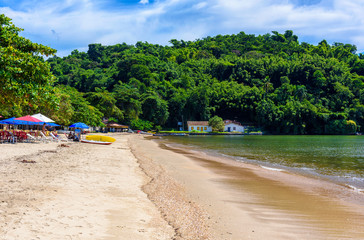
pixel 243 201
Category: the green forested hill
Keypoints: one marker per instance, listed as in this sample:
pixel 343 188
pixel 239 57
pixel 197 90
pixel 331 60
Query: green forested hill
pixel 272 81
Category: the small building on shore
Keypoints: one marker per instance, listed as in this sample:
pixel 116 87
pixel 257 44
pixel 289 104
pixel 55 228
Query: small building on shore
pixel 199 126
pixel 111 126
pixel 115 127
pixel 233 126
pixel 230 126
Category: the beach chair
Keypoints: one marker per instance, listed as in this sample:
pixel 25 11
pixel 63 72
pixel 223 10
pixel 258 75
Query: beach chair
pixel 44 138
pixel 2 136
pixel 68 139
pixel 21 136
pixel 11 138
pixel 31 138
pixel 56 138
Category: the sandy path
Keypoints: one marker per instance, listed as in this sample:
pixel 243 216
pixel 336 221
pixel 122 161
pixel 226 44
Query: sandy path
pixel 84 191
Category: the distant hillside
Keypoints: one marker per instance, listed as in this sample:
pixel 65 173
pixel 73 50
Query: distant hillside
pixel 273 80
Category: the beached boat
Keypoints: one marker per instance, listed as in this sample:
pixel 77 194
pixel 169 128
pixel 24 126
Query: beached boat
pixel 169 134
pixel 100 138
pixel 95 142
pixel 179 134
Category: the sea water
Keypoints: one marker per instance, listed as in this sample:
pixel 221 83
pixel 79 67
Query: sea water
pixel 335 158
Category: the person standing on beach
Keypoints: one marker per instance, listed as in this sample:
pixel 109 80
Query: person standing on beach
pixel 44 129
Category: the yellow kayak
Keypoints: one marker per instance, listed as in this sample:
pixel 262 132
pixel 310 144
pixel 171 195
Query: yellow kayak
pixel 100 138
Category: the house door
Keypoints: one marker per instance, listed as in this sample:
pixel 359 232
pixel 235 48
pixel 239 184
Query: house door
pixel 228 129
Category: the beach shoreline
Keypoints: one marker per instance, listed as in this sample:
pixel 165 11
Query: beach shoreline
pixel 139 188
pixel 264 201
pixel 294 178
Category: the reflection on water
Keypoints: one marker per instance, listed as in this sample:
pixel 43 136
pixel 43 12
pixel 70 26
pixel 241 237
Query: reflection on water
pixel 340 158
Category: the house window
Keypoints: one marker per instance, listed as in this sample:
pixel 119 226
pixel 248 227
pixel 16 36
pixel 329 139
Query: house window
pixel 234 128
pixel 205 128
pixel 191 128
pixel 198 128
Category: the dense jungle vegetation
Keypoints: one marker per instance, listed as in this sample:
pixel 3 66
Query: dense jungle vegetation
pixel 272 81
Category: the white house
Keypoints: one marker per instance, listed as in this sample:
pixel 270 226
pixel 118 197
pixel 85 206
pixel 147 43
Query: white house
pixel 230 126
pixel 199 126
pixel 233 126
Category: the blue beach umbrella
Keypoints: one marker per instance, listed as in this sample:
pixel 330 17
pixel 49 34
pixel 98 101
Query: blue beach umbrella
pixel 8 121
pixel 78 131
pixel 79 125
pixel 12 121
pixel 53 124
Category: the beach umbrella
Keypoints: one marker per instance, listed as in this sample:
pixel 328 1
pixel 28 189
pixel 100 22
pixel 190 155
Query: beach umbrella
pixel 79 125
pixel 42 118
pixel 29 118
pixel 12 121
pixel 52 124
pixel 78 131
pixel 7 121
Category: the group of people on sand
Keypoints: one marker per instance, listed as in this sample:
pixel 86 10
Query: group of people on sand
pixel 71 135
pixel 14 135
pixel 52 130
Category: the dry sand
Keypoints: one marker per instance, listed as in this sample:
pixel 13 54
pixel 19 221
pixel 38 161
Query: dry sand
pixel 84 191
pixel 139 189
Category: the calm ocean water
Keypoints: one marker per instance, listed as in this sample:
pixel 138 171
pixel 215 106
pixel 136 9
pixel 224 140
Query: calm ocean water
pixel 337 158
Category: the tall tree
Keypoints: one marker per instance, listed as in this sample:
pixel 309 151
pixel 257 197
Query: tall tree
pixel 154 108
pixel 217 124
pixel 105 102
pixel 25 78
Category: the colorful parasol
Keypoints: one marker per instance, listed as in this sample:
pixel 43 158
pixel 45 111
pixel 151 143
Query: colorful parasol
pixel 79 125
pixel 42 118
pixel 29 118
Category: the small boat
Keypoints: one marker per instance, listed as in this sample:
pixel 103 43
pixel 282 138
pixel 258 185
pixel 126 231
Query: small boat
pixel 100 138
pixel 95 142
pixel 178 134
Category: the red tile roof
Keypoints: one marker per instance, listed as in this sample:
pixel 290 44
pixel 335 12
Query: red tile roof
pixel 231 121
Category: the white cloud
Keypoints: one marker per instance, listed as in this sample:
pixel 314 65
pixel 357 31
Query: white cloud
pixel 200 5
pixel 70 24
pixel 340 20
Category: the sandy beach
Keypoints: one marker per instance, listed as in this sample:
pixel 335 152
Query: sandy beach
pixel 138 188
pixel 83 191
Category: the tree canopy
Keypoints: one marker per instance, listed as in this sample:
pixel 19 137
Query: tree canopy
pixel 27 85
pixel 25 77
pixel 217 124
pixel 272 81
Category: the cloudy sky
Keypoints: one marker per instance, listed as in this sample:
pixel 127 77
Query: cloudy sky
pixel 73 24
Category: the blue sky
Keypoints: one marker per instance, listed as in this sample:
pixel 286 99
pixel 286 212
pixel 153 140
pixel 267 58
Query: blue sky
pixel 73 24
